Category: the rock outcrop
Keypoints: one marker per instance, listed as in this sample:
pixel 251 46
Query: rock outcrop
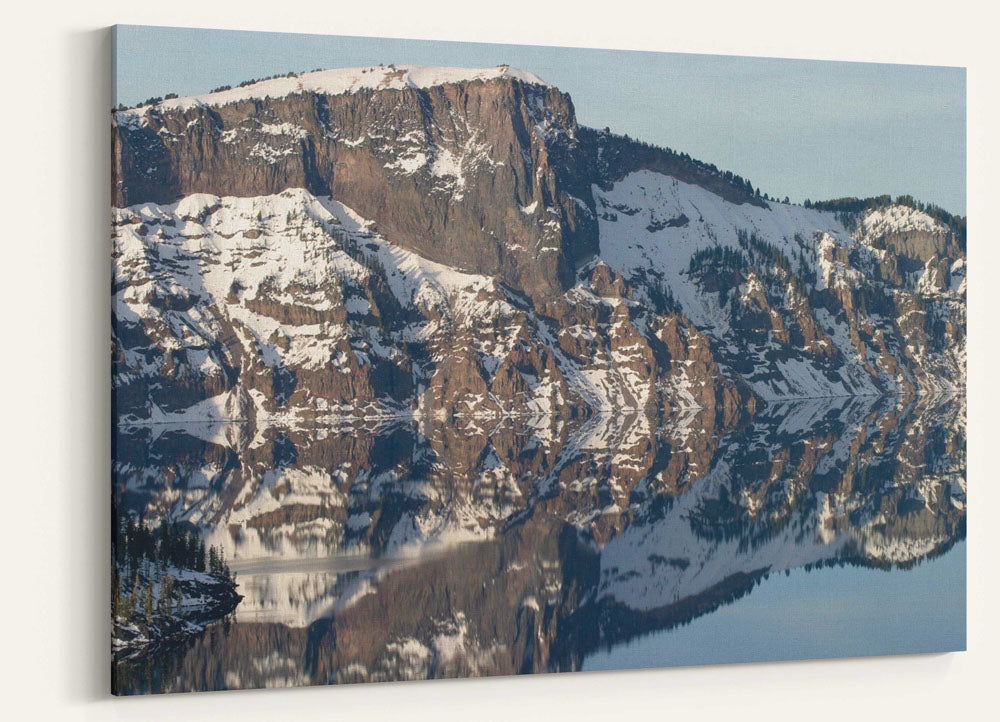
pixel 404 240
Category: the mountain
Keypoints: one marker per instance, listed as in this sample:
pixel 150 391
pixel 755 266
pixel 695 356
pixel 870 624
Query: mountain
pixel 451 242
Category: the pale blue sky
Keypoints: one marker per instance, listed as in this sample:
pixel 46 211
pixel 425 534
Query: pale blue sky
pixel 802 128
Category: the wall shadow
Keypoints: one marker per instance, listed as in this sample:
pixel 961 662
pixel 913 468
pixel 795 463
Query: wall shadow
pixel 88 491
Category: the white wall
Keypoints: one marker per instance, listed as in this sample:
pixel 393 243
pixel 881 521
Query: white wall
pixel 53 249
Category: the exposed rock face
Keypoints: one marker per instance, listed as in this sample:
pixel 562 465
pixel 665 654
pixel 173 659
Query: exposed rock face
pixel 490 176
pixel 293 305
pixel 464 247
pixel 797 302
pixel 483 176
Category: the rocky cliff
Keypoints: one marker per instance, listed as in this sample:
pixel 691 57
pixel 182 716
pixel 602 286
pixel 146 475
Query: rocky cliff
pixel 410 240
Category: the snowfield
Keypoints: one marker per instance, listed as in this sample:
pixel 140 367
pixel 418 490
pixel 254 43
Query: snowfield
pixel 337 81
pixel 651 225
pixel 225 261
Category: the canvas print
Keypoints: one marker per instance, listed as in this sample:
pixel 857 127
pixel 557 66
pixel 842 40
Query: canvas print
pixel 437 359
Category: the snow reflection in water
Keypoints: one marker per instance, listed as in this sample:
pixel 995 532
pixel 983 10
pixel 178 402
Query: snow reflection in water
pixel 432 549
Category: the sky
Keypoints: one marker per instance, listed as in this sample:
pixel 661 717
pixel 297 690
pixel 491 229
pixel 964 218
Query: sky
pixel 798 128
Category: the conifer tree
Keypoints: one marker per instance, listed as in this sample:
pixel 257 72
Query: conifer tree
pixel 147 602
pixel 166 602
pixel 117 601
pixel 133 602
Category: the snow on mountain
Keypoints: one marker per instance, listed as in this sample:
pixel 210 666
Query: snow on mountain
pixel 779 267
pixel 254 290
pixel 297 300
pixel 790 302
pixel 653 223
pixel 898 219
pixel 337 81
pixel 294 310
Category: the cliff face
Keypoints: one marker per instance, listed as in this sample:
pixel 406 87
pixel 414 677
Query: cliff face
pixel 484 176
pixel 411 240
pixel 294 303
pixel 491 176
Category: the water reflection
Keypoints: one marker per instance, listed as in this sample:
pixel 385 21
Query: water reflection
pixel 400 550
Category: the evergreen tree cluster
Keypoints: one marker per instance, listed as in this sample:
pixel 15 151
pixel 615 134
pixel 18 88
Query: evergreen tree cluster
pixel 847 209
pixel 166 545
pixel 615 144
pixel 143 592
pixel 717 258
pixel 761 253
pixel 662 297
pixel 754 254
pixel 771 262
pixel 722 261
pixel 850 204
pixel 148 101
pixel 170 96
pixel 144 604
pixel 251 81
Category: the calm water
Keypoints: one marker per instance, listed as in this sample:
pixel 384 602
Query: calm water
pixel 408 550
pixel 834 613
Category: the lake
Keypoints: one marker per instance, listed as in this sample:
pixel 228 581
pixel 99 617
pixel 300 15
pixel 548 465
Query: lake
pixel 397 549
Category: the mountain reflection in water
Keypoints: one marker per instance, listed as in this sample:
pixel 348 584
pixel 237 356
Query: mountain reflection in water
pixel 404 550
